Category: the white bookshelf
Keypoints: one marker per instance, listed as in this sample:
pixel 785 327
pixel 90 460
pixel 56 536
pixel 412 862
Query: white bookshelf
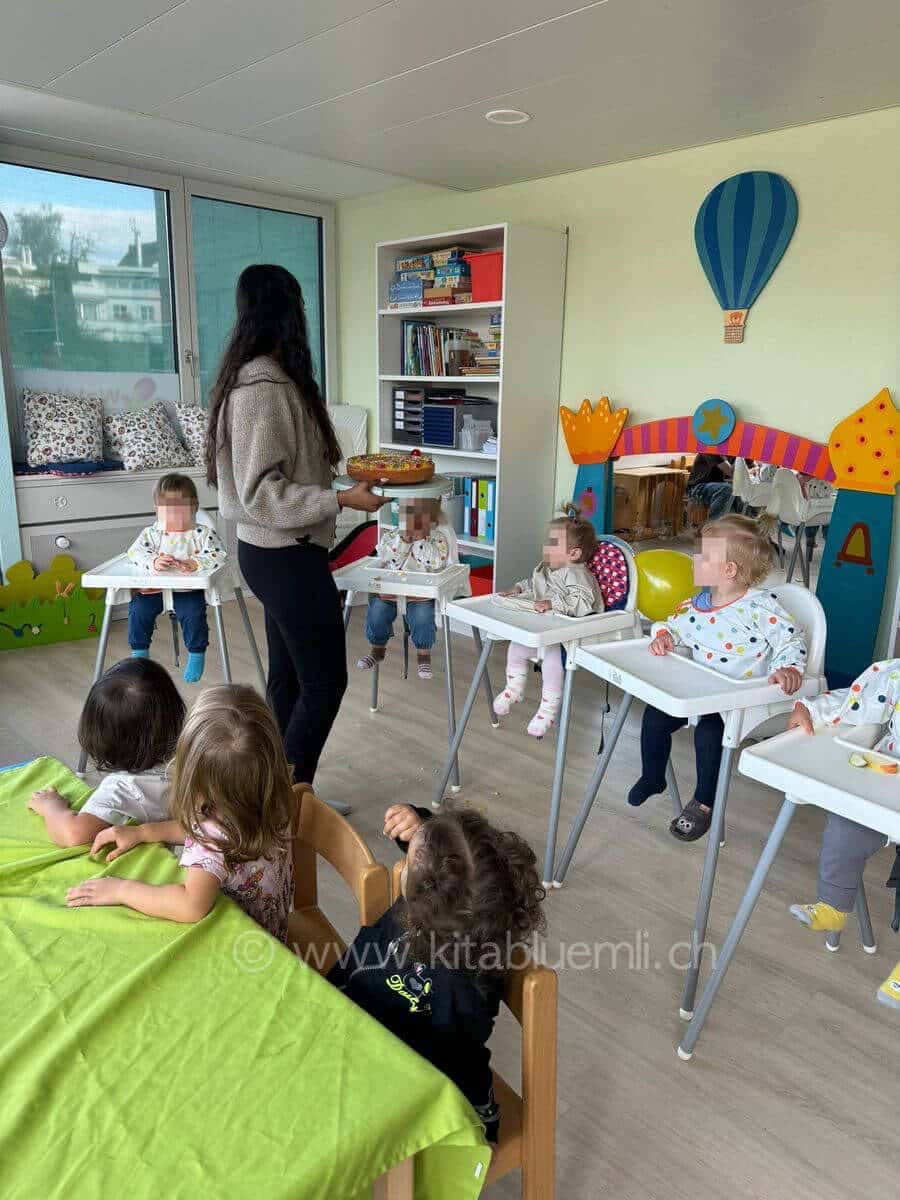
pixel 526 389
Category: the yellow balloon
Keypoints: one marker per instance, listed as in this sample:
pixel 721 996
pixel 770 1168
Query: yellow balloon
pixel 665 578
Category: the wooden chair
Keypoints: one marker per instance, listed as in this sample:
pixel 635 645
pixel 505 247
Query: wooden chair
pixel 527 1121
pixel 319 830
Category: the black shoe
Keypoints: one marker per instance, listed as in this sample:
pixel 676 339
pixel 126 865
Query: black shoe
pixel 642 791
pixel 692 824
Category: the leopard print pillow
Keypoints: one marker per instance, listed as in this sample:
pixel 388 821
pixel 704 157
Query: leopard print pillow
pixel 60 428
pixel 144 439
pixel 193 421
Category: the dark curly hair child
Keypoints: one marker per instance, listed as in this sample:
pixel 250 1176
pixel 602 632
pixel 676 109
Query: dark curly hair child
pixel 432 969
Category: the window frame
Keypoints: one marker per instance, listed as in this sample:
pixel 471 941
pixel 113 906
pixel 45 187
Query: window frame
pixel 324 211
pixel 180 189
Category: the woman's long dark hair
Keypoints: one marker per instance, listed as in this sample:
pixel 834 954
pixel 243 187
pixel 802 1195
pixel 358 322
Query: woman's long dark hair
pixel 271 320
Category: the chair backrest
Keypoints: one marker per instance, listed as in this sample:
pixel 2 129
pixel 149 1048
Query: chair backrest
pixel 612 565
pixel 319 830
pixel 741 483
pixel 350 426
pixel 359 543
pixel 790 505
pixel 804 607
pixel 203 518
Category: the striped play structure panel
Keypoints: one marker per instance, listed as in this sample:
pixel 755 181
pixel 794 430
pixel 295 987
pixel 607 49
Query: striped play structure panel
pixel 674 435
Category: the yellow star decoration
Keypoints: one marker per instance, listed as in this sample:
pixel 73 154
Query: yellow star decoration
pixel 713 421
pixel 591 434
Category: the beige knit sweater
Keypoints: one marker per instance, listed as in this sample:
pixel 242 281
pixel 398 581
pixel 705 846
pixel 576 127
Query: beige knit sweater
pixel 274 478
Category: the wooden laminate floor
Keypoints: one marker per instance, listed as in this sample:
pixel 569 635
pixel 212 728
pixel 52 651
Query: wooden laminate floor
pixel 792 1093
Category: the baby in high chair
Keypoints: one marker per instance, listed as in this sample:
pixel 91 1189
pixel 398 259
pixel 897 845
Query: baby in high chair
pixel 561 582
pixel 872 699
pixel 176 544
pixel 418 543
pixel 733 627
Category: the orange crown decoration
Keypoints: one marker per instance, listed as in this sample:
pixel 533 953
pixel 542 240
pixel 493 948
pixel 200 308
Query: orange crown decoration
pixel 865 447
pixel 591 434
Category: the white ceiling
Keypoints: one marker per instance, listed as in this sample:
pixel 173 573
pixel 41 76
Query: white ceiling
pixel 400 87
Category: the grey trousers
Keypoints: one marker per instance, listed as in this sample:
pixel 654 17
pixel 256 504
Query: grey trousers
pixel 846 847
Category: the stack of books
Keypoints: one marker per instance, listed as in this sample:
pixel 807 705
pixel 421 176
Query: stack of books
pixel 426 347
pixel 423 280
pixel 487 359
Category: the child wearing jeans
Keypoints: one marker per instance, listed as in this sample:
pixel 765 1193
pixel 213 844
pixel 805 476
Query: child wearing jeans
pixel 129 726
pixel 419 543
pixel 432 968
pixel 733 627
pixel 872 699
pixel 176 544
pixel 561 582
pixel 230 805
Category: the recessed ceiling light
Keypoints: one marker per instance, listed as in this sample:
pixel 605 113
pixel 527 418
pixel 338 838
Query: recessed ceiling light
pixel 507 116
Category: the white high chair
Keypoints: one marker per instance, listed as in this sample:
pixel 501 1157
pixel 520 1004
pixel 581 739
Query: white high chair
pixel 118 577
pixel 792 508
pixel 750 491
pixel 740 721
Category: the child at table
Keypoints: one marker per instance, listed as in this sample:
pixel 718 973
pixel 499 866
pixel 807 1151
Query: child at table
pixel 561 583
pixel 176 545
pixel 733 627
pixel 129 726
pixel 418 543
pixel 230 804
pixel 432 968
pixel 872 699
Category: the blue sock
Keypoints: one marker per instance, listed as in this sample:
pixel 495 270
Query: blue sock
pixel 193 672
pixel 139 653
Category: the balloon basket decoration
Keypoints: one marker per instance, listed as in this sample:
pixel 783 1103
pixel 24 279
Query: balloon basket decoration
pixel 37 610
pixel 742 230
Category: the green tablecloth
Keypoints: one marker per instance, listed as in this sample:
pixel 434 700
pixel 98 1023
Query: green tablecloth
pixel 153 1061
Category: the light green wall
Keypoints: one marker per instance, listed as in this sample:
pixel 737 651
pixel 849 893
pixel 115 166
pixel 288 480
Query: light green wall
pixel 641 323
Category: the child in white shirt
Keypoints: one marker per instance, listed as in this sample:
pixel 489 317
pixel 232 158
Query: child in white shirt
pixel 418 543
pixel 129 726
pixel 561 582
pixel 872 699
pixel 734 628
pixel 175 544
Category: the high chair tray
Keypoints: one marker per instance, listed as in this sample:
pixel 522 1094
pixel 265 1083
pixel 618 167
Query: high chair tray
pixel 365 576
pixel 816 770
pixel 533 629
pixel 119 572
pixel 674 683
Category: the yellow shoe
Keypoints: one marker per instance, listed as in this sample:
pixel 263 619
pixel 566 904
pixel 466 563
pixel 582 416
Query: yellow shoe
pixel 820 917
pixel 889 992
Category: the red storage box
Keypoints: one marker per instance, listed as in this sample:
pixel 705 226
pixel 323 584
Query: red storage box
pixel 487 275
pixel 481 581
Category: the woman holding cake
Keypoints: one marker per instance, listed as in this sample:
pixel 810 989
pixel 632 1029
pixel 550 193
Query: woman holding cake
pixel 271 450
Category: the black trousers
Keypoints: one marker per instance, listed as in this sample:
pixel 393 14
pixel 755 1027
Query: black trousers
pixel 656 746
pixel 305 636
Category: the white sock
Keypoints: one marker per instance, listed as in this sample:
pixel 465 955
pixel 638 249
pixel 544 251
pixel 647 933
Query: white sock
pixel 545 717
pixel 513 693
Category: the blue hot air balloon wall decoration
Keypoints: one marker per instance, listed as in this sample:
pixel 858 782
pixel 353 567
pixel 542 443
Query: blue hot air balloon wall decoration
pixel 742 229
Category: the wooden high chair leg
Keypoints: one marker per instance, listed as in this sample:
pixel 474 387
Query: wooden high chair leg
pixel 539 1012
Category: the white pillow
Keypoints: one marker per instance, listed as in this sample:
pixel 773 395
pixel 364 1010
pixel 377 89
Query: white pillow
pixel 193 421
pixel 60 428
pixel 144 439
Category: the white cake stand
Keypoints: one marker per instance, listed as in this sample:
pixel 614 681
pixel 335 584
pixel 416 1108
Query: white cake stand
pixel 437 485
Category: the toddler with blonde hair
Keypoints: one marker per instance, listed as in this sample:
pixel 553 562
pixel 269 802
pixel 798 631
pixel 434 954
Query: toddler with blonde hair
pixel 733 627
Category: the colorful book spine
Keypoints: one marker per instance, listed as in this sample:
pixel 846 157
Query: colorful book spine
pixel 491 511
pixel 482 508
pixel 467 505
